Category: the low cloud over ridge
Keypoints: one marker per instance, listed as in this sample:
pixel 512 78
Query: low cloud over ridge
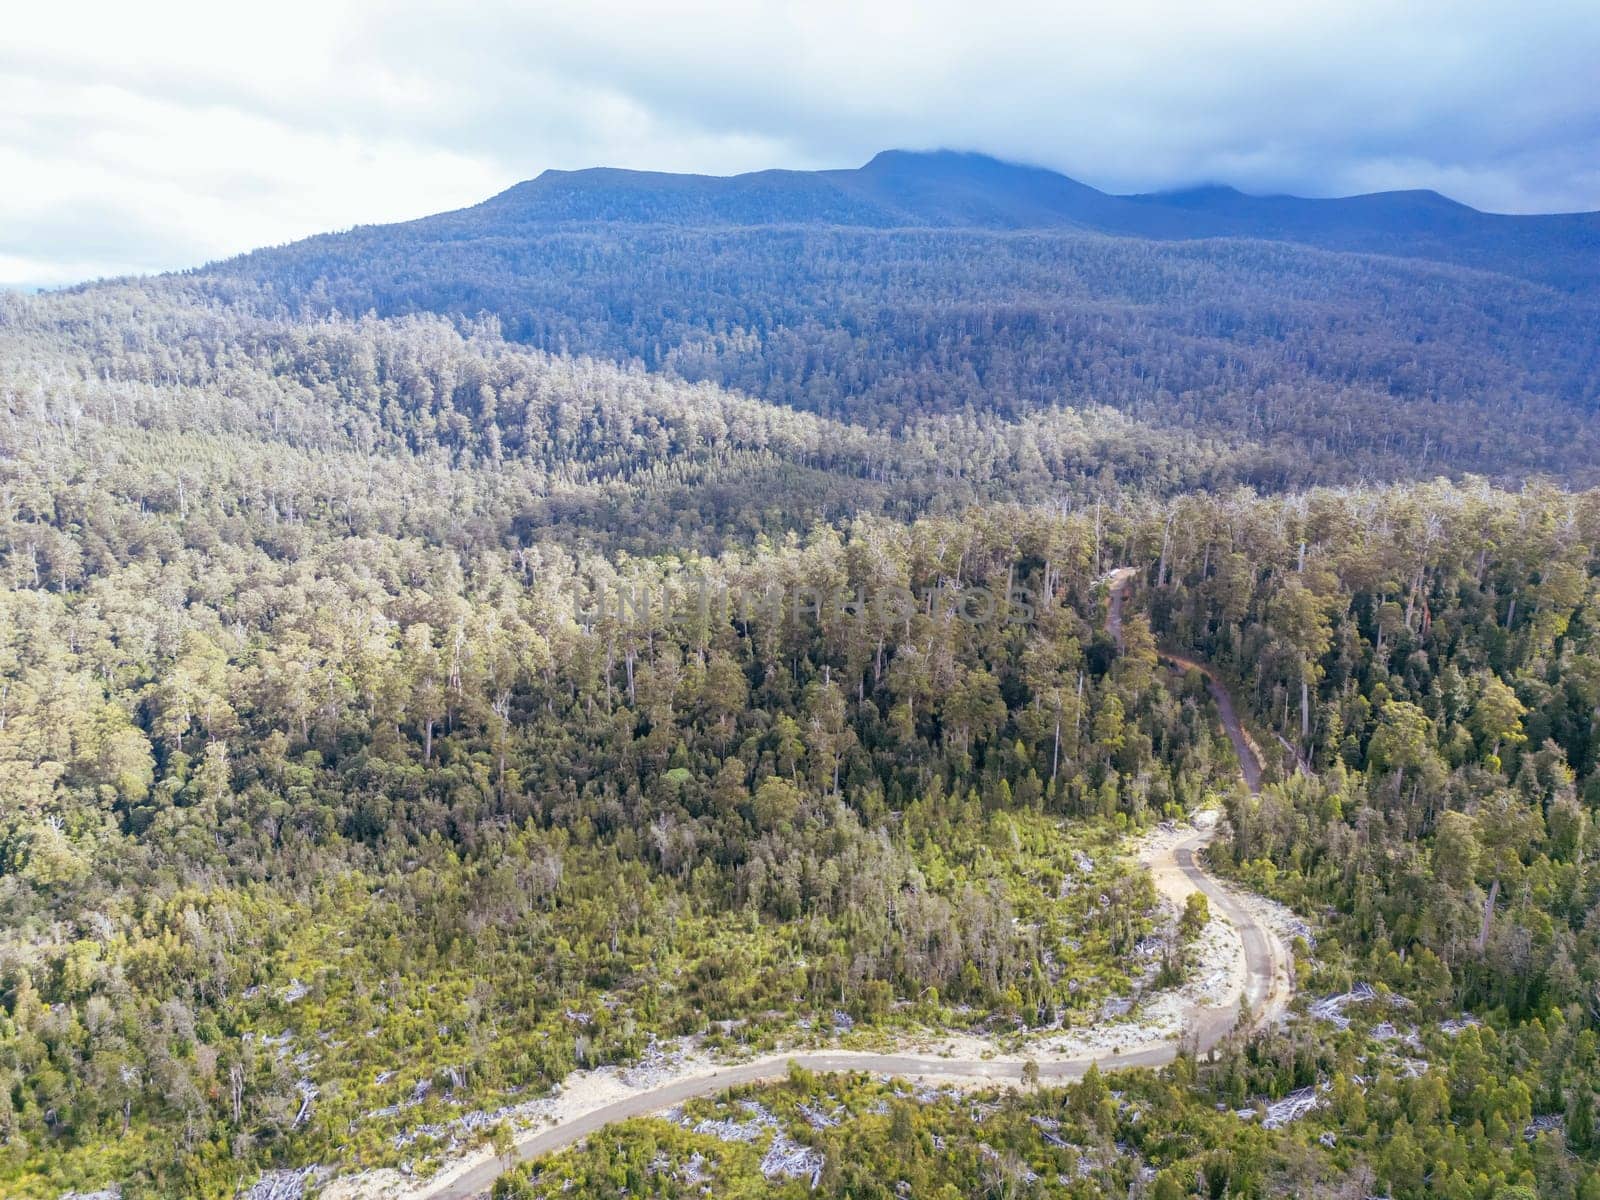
pixel 140 140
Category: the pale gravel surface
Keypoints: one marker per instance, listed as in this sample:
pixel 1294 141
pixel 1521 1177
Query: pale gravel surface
pixel 1205 1007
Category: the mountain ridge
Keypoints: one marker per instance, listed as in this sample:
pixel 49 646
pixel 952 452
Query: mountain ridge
pixel 1404 331
pixel 900 160
pixel 973 192
pixel 968 190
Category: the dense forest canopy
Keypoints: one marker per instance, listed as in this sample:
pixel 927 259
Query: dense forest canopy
pixel 330 809
pixel 979 301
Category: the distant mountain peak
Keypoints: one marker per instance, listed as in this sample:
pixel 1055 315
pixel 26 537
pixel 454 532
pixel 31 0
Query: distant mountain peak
pixel 950 188
pixel 888 159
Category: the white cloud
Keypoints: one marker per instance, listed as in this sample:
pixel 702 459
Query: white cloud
pixel 146 183
pixel 144 137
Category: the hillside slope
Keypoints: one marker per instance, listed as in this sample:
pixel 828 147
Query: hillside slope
pixel 945 284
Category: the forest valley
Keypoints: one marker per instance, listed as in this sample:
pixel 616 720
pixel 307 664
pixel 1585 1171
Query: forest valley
pixel 326 815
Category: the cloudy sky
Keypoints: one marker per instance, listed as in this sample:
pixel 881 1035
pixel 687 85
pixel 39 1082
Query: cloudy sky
pixel 159 135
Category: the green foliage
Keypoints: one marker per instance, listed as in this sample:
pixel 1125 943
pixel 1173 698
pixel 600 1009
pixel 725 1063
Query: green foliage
pixel 331 803
pixel 876 1139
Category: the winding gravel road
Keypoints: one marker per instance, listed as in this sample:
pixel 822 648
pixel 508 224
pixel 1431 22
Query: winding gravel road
pixel 1267 988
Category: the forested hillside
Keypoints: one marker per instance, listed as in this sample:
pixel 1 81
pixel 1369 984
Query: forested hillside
pixel 370 758
pixel 1346 366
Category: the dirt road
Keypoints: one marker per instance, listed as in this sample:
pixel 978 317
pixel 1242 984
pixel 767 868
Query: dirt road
pixel 1267 987
pixel 1121 583
pixel 1249 760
